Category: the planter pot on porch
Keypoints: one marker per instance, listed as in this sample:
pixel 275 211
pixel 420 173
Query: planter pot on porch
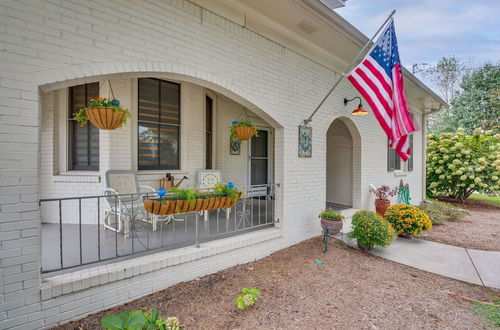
pixel 333 227
pixel 381 206
pixel 173 206
pixel 105 118
pixel 244 133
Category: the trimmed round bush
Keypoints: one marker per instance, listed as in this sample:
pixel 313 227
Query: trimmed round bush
pixel 371 229
pixel 408 220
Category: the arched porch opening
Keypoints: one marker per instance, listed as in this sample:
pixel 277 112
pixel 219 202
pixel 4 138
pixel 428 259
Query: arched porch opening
pixel 343 163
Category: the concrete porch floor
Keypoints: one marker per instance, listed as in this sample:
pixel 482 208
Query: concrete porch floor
pixel 100 246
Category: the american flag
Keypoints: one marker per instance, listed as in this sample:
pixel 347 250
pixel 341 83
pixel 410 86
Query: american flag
pixel 379 79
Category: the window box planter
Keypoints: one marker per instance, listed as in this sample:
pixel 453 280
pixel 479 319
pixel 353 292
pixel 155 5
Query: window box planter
pixel 169 206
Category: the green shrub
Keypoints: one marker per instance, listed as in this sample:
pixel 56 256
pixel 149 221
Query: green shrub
pixel 439 212
pixel 459 164
pixel 331 214
pixel 371 229
pixel 138 319
pixel 408 219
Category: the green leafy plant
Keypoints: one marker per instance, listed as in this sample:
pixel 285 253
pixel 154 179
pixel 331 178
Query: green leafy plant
pixel 246 123
pixel 371 229
pixel 459 164
pixel 247 298
pixel 221 189
pixel 331 214
pixel 408 220
pixel 439 212
pixel 102 102
pixel 185 194
pixel 138 319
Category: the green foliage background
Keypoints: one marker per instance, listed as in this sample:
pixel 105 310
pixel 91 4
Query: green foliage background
pixel 459 164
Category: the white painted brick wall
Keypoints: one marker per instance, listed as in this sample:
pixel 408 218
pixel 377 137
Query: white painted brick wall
pixel 47 45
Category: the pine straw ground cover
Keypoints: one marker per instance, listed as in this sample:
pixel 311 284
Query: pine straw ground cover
pixel 351 290
pixel 479 230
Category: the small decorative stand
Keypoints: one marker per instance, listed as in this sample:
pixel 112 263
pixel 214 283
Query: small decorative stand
pixel 330 228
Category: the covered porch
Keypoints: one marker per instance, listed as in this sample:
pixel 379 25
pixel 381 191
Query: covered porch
pixel 176 127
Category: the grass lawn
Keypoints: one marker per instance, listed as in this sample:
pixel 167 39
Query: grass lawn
pixel 492 199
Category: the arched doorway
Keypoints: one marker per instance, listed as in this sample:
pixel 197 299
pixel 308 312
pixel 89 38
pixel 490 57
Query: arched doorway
pixel 342 164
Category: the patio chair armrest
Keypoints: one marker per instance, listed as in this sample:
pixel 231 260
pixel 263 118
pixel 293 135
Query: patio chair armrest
pixel 110 191
pixel 147 188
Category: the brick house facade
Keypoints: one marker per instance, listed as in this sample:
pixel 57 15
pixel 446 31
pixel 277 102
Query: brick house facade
pixel 233 51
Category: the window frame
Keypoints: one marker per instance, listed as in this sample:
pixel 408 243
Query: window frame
pixel 70 124
pixel 399 165
pixel 138 122
pixel 209 153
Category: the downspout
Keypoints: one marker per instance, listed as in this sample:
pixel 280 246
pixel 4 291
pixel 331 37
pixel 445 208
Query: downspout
pixel 424 149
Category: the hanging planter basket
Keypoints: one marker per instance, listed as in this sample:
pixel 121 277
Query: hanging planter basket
pixel 175 206
pixel 105 118
pixel 103 113
pixel 244 133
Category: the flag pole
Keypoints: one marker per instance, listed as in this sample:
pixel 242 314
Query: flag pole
pixel 308 120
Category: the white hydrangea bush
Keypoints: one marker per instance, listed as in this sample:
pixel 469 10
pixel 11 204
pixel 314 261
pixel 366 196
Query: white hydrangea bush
pixel 459 164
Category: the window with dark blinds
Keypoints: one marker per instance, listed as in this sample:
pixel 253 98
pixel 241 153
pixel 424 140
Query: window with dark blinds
pixel 394 161
pixel 159 124
pixel 83 139
pixel 209 104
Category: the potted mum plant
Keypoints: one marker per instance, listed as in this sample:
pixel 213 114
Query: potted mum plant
pixel 382 201
pixel 331 221
pixel 371 229
pixel 243 130
pixel 408 220
pixel 103 113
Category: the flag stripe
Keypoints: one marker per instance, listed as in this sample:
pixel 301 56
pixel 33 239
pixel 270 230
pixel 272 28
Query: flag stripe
pixel 382 121
pixel 379 79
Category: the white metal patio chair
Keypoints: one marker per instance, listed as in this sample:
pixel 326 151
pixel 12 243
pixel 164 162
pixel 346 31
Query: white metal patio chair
pixel 122 207
pixel 207 179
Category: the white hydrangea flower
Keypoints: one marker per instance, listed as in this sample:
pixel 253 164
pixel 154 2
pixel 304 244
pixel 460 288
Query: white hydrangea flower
pixel 463 177
pixel 477 131
pixel 489 132
pixel 477 180
pixel 442 176
pixel 459 145
pixel 433 185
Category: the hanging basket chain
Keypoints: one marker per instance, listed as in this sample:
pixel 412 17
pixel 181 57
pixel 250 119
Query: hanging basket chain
pixel 111 89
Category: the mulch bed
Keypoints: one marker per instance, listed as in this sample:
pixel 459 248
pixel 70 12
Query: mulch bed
pixel 480 230
pixel 351 290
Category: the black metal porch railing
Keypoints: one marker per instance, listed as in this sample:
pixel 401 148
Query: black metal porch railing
pixel 90 230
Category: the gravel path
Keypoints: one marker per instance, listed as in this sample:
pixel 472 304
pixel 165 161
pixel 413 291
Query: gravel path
pixel 480 230
pixel 351 290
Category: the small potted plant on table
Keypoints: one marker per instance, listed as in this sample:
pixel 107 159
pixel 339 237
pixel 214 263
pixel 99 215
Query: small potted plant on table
pixel 382 201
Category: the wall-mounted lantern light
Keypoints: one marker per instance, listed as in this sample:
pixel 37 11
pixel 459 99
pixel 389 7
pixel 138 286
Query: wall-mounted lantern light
pixel 359 111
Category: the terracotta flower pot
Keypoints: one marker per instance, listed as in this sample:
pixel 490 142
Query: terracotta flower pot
pixel 105 118
pixel 333 227
pixel 381 206
pixel 244 133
